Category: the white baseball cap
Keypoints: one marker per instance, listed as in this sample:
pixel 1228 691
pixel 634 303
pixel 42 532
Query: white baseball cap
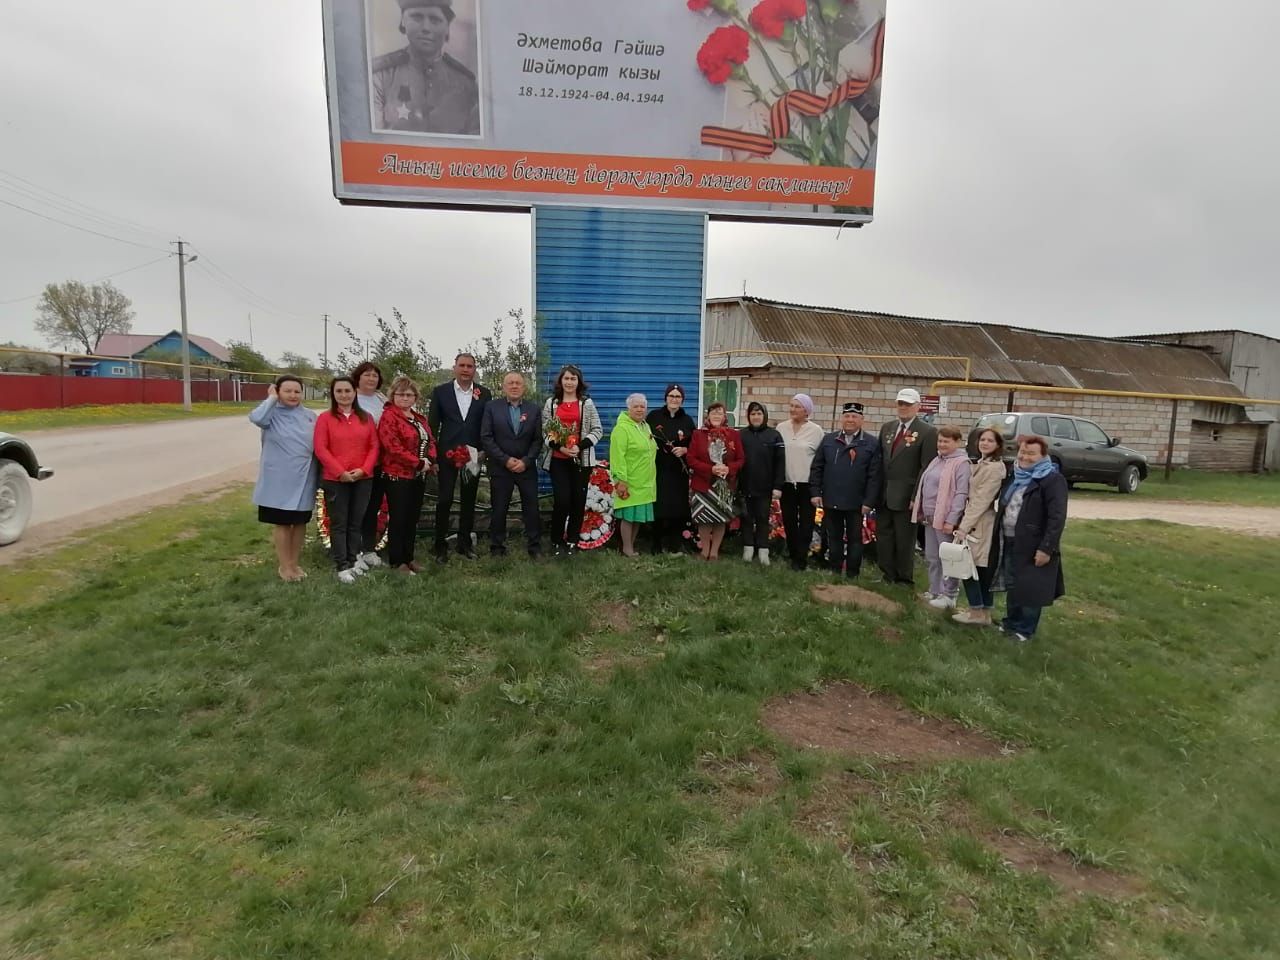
pixel 907 395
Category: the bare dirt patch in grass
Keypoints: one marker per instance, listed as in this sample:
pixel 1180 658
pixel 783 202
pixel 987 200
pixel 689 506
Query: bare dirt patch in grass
pixel 847 719
pixel 847 595
pixel 615 616
pixel 824 810
pixel 743 781
pixel 606 663
pixel 889 635
pixel 1031 856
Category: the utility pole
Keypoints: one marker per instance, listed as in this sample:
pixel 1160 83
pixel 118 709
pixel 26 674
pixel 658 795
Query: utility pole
pixel 186 340
pixel 250 329
pixel 326 343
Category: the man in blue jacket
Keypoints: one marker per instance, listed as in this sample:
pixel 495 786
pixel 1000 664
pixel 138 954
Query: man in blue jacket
pixel 845 481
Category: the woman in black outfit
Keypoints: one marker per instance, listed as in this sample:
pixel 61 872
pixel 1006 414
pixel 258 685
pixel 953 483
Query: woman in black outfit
pixel 672 429
pixel 760 481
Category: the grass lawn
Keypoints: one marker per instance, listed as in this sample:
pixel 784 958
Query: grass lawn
pixel 1246 489
pixel 23 421
pixel 502 760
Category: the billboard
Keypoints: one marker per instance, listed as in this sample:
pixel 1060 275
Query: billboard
pixel 759 109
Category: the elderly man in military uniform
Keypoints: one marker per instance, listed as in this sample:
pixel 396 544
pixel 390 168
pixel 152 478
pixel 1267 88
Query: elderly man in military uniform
pixel 421 88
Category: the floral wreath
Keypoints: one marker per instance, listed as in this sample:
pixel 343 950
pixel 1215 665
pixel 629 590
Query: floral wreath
pixel 597 521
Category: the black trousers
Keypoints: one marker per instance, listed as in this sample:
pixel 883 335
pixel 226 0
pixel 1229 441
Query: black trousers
pixel 502 483
pixel 345 504
pixel 569 492
pixel 369 525
pixel 449 480
pixel 797 521
pixel 844 540
pixel 755 520
pixel 896 544
pixel 404 508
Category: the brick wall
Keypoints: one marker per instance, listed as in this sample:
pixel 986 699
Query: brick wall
pixel 1141 424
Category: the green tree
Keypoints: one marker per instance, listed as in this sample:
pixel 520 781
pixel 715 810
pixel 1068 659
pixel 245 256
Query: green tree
pixel 495 357
pixel 35 362
pixel 73 315
pixel 244 357
pixel 392 348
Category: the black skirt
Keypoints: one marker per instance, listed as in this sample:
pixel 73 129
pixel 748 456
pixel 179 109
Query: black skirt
pixel 283 518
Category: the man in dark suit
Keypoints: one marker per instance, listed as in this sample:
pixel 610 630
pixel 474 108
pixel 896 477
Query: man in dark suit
pixel 845 481
pixel 457 408
pixel 511 433
pixel 907 446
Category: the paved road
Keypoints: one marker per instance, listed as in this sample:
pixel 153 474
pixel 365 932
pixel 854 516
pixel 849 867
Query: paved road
pixel 105 473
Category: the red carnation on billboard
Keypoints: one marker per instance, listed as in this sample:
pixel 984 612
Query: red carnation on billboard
pixel 770 17
pixel 724 49
pixel 699 4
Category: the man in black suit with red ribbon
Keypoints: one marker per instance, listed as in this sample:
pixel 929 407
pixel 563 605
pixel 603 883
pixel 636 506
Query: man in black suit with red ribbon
pixel 457 408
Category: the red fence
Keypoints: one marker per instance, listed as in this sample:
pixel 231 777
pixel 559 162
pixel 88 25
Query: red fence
pixel 37 393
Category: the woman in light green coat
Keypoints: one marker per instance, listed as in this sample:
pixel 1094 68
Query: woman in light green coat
pixel 633 463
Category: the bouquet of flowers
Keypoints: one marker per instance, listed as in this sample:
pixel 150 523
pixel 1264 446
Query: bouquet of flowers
pixel 466 460
pixel 558 433
pixel 813 62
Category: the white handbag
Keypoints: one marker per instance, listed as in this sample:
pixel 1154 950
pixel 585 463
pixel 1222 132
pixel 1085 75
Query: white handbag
pixel 957 561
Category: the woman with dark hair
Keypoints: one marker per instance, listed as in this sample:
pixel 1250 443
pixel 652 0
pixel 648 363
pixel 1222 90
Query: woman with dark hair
pixel 715 457
pixel 286 490
pixel 763 472
pixel 408 455
pixel 978 525
pixel 368 380
pixel 942 492
pixel 673 430
pixel 346 443
pixel 572 427
pixel 1033 516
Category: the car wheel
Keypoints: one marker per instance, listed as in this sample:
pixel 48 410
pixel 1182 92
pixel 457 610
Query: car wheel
pixel 15 501
pixel 1129 479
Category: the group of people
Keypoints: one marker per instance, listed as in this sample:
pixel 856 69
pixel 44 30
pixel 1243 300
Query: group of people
pixel 668 475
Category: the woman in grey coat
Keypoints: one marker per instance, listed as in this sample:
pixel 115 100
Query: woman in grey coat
pixel 285 493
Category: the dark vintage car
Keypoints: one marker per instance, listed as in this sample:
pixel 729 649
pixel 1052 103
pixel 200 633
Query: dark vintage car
pixel 18 467
pixel 1081 449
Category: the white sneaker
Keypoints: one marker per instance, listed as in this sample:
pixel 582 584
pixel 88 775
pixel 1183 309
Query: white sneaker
pixel 748 553
pixel 1021 638
pixel 943 603
pixel 346 576
pixel 360 567
pixel 927 596
pixel 371 559
pixel 762 554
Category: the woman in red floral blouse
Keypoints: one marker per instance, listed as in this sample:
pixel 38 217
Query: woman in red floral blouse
pixel 408 455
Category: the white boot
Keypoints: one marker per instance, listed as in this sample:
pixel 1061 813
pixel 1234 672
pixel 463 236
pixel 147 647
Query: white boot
pixel 763 556
pixel 748 553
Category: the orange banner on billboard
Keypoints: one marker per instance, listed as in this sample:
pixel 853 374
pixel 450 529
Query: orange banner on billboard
pixel 476 171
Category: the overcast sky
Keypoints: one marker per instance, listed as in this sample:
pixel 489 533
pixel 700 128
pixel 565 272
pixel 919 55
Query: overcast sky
pixel 1085 166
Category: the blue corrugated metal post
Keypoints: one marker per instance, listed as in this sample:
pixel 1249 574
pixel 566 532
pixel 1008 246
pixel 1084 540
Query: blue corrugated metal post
pixel 621 293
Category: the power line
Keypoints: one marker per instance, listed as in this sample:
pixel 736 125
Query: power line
pixel 85 209
pixel 66 209
pixel 214 271
pixel 73 226
pixel 109 276
pixel 259 304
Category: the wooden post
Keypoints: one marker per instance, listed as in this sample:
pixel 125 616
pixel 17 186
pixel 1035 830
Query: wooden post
pixel 835 401
pixel 62 380
pixel 1173 431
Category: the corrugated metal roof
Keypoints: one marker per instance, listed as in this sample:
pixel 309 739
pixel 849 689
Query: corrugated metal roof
pixel 770 332
pixel 128 345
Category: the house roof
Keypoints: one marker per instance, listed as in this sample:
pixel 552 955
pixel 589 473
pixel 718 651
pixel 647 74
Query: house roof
pixel 788 335
pixel 130 345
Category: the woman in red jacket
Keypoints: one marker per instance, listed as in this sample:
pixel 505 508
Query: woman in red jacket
pixel 408 455
pixel 715 457
pixel 346 443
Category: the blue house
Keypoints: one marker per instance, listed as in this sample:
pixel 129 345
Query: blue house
pixel 122 351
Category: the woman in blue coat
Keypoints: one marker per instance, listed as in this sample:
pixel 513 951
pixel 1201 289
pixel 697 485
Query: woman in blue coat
pixel 287 478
